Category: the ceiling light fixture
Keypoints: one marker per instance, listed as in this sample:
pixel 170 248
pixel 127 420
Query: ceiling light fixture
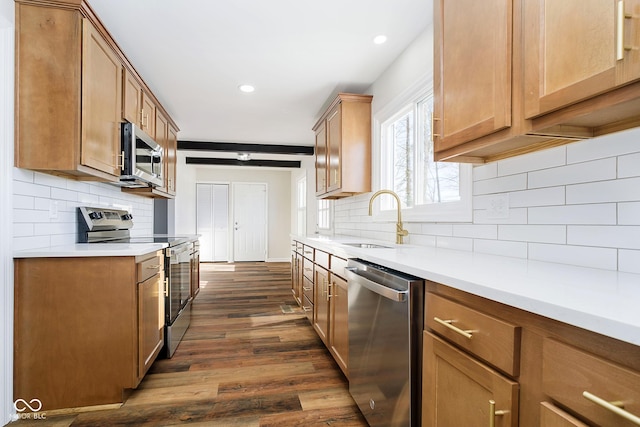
pixel 246 88
pixel 380 39
pixel 243 157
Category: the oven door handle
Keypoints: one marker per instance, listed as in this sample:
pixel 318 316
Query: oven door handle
pixel 389 293
pixel 176 250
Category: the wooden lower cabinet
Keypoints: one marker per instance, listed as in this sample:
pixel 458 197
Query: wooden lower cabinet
pixel 339 322
pixel 85 329
pixel 321 313
pixel 458 390
pixel 552 416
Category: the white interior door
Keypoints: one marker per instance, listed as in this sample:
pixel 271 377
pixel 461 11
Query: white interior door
pixel 249 222
pixel 212 221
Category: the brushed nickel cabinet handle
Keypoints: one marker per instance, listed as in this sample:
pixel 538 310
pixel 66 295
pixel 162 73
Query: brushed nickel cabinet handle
pixel 449 324
pixel 615 407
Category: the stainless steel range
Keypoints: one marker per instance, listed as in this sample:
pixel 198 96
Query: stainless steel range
pixel 110 225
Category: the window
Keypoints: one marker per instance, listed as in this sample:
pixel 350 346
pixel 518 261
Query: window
pixel 301 204
pixel 324 214
pixel 428 190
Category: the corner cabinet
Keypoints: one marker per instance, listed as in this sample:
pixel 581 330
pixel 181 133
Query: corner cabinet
pixel 515 76
pixel 343 147
pixel 89 331
pixel 68 95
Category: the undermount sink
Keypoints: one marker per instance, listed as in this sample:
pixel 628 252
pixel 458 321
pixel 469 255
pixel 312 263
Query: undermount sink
pixel 367 245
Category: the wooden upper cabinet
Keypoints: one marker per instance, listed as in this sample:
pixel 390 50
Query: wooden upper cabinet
pixel 148 115
pixel 101 102
pixel 576 49
pixel 68 95
pixel 321 159
pixel 171 158
pixel 472 78
pixel 160 134
pixel 131 98
pixel 343 147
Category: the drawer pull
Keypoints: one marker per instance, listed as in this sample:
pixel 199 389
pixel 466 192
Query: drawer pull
pixel 308 252
pixel 307 308
pixel 449 324
pixel 306 288
pixel 493 413
pixel 153 267
pixel 613 407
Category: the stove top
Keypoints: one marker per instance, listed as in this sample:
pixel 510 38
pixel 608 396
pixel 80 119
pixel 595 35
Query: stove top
pixel 111 225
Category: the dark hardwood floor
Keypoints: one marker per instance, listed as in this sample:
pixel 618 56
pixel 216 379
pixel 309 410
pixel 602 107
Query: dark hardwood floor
pixel 250 358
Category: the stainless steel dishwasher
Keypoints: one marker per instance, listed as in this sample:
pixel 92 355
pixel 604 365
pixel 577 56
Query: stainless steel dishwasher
pixel 385 343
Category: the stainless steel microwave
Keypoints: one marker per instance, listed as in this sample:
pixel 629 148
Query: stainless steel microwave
pixel 143 158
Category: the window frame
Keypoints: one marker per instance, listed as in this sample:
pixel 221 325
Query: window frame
pixel 329 212
pixel 452 211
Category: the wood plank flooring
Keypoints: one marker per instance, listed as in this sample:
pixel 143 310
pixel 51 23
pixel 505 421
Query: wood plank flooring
pixel 245 361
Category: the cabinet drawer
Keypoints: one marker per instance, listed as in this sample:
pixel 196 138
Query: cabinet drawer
pixel 307 268
pixel 491 339
pixel 322 258
pixel 299 247
pixel 550 416
pixel 150 266
pixel 570 376
pixel 307 289
pixel 307 307
pixel 308 252
pixel 338 265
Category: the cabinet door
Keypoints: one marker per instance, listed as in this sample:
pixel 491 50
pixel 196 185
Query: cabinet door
pixel 334 149
pixel 472 75
pixel 458 390
pixel 161 138
pixel 131 98
pixel 321 160
pixel 101 102
pixel 294 276
pixel 339 322
pixel 322 289
pixel 150 322
pixel 171 158
pixel 148 115
pixel 575 49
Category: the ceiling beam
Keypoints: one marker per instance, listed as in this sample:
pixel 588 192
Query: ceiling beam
pixel 234 162
pixel 246 148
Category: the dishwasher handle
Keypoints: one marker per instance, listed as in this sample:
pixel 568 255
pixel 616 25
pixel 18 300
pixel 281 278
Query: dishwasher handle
pixel 384 291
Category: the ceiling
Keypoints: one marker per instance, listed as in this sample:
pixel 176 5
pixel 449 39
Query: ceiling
pixel 194 54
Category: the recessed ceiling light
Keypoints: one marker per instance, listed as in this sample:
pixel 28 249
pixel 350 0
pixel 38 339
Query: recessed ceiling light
pixel 380 39
pixel 246 88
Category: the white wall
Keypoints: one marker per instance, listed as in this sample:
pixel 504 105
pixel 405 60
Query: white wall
pixel 577 204
pixel 6 162
pixel 279 199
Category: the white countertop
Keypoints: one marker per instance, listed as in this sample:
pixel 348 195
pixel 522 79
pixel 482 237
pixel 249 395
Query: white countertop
pixel 91 250
pixel 601 301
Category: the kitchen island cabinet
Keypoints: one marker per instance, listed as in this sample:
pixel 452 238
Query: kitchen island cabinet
pixel 86 329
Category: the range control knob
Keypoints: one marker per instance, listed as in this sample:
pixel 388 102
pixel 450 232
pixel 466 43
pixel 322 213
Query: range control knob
pixel 127 217
pixel 95 215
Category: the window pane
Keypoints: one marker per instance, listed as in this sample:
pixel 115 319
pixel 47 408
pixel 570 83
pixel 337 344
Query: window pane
pixel 440 181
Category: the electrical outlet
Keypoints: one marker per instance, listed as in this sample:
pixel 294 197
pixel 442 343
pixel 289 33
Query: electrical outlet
pixel 498 206
pixel 53 209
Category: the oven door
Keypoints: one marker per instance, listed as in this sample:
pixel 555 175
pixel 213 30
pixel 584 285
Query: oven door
pixel 179 273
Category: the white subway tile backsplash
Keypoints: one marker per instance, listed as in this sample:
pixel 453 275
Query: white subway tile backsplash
pixel 605 146
pixel 50 180
pixel 31 242
pixel 619 190
pixel 437 229
pixel 623 237
pixel 533 233
pixel 551 196
pixel 29 189
pixel 24 175
pixel 31 216
pixel 486 171
pixel 629 213
pixel 457 243
pixel 500 184
pixel 545 159
pixel 629 166
pixel 598 170
pixel 422 240
pixel 500 247
pixel 575 255
pixel 23 202
pixel 476 231
pixel 515 216
pixel 23 230
pixel 629 261
pixel 574 214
